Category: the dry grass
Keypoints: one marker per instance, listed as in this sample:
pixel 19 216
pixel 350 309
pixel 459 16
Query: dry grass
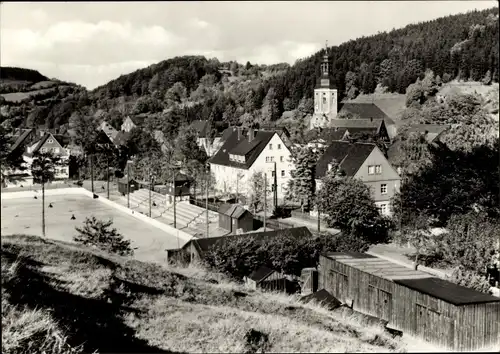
pixel 186 309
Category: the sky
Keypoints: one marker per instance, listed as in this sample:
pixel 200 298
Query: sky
pixel 91 43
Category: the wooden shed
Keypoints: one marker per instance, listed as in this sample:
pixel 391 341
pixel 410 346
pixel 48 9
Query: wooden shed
pixel 451 316
pixel 233 217
pixel 122 185
pixel 266 279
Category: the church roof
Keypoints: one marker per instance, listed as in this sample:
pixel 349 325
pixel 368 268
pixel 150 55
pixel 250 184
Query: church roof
pixel 364 110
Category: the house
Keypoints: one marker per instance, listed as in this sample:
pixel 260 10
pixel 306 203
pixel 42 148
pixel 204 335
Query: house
pixel 369 111
pixel 432 131
pixel 233 217
pixel 196 248
pixel 366 162
pixel 209 144
pixel 57 144
pixel 352 127
pixel 109 130
pixel 130 123
pixel 245 153
pixel 268 279
pixel 414 302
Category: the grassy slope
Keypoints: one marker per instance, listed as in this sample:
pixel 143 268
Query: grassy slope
pixel 56 296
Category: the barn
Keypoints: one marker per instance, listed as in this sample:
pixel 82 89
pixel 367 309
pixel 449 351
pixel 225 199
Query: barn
pixel 451 316
pixel 233 217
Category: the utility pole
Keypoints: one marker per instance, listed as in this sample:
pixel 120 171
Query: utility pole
pixel 319 219
pixel 173 192
pixel 206 199
pixel 128 184
pixel 265 199
pixel 275 187
pixel 92 172
pixel 107 173
pixel 150 186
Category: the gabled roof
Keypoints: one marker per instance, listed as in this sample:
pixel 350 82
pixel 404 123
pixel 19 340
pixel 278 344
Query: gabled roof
pixel 364 110
pixel 43 140
pixel 261 274
pixel 433 130
pixel 233 145
pixel 204 244
pixel 22 138
pixel 350 156
pixel 121 138
pixel 201 127
pixel 233 210
pixel 109 130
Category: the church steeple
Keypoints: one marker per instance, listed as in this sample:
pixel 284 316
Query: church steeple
pixel 325 95
pixel 325 80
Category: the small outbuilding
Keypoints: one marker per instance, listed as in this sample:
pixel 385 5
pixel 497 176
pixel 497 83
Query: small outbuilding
pixel 411 301
pixel 122 185
pixel 233 217
pixel 182 189
pixel 267 279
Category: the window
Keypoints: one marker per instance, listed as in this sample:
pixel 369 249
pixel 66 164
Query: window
pixel 279 146
pixel 50 141
pixel 383 208
pixel 272 173
pixel 267 159
pixel 270 146
pixel 271 159
pixel 272 187
pixel 383 188
pixel 282 159
pixel 283 173
pixel 374 169
pixel 43 150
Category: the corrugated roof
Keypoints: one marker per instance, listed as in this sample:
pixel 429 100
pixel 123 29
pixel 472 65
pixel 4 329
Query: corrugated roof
pixel 378 267
pixel 261 274
pixel 447 291
pixel 232 145
pixel 413 279
pixel 350 156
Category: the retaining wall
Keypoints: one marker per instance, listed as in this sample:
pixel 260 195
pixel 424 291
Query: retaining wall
pixel 81 191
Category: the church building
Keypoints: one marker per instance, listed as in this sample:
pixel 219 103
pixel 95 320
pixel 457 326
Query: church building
pixel 325 96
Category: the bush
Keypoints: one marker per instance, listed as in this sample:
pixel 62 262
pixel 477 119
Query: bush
pixel 98 233
pixel 470 279
pixel 238 257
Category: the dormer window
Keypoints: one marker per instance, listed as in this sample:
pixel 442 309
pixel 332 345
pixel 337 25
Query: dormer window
pixel 50 141
pixel 237 158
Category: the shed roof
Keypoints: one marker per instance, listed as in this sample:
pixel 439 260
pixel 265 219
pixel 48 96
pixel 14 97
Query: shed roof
pixel 413 279
pixel 261 274
pixel 447 291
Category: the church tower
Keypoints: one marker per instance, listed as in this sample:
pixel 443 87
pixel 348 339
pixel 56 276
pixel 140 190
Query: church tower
pixel 325 95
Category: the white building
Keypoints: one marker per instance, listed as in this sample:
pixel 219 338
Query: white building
pixel 244 153
pixel 56 145
pixel 325 97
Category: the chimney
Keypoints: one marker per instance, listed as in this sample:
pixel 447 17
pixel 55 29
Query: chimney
pixel 250 135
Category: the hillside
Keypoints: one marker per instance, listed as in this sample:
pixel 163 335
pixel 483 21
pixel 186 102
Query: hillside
pixel 29 99
pixel 463 46
pixel 56 296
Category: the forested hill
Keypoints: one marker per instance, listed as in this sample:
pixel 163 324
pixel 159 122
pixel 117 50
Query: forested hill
pixel 181 89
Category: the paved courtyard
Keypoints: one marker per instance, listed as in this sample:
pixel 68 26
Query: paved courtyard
pixel 24 216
